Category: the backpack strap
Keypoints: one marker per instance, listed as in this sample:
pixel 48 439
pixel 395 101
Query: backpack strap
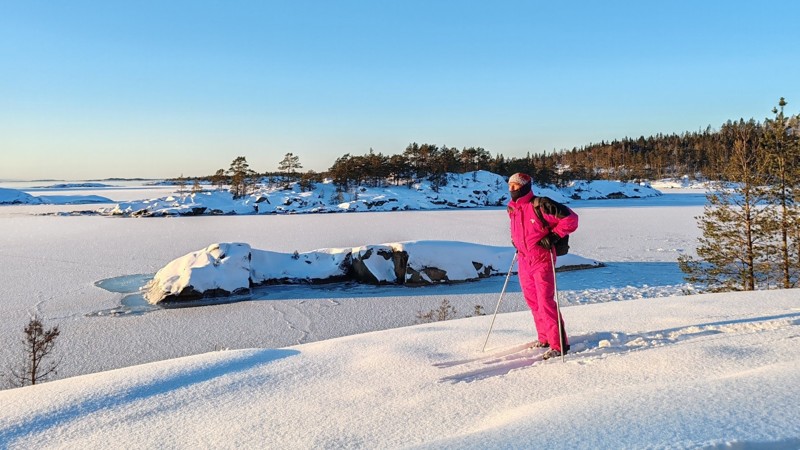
pixel 538 211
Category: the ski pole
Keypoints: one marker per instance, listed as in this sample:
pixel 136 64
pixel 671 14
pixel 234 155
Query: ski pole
pixel 513 260
pixel 558 309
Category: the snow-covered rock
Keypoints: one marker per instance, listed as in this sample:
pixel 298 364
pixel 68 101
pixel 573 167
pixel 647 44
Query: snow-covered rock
pixel 600 189
pixel 432 262
pixel 205 202
pixel 469 190
pixel 318 266
pixel 377 264
pixel 217 270
pixel 684 183
pixel 235 268
pixel 428 262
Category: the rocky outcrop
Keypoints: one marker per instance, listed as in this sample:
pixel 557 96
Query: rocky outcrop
pixel 229 269
pixel 421 263
pixel 378 264
pixel 601 189
pixel 217 270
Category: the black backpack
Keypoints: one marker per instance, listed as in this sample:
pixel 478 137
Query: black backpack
pixel 562 246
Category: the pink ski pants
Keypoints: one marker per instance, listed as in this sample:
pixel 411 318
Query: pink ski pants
pixel 538 286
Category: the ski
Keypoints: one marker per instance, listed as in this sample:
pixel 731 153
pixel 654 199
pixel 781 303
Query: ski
pixel 503 367
pixel 487 359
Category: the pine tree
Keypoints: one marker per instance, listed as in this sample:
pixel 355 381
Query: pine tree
pixel 180 182
pixel 794 130
pixel 308 179
pixel 780 147
pixel 218 179
pixel 341 172
pixel 289 164
pixel 241 177
pixel 733 249
pixel 398 170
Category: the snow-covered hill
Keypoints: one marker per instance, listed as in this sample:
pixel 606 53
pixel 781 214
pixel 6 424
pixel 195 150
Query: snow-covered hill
pixel 342 366
pixel 711 371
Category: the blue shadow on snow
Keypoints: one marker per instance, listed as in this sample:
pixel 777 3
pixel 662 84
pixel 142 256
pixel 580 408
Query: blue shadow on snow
pixel 115 398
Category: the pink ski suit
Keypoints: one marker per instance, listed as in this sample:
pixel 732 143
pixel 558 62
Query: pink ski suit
pixel 535 265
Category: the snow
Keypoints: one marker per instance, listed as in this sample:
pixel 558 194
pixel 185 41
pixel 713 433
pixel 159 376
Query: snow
pixel 589 190
pixel 470 190
pixel 13 196
pixel 233 268
pixel 344 366
pixel 219 266
pixel 683 183
pixel 307 266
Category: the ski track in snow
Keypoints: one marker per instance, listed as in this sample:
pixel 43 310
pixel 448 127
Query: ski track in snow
pixel 588 348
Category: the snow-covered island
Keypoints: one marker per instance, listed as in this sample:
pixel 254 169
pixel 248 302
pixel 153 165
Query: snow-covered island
pixel 76 185
pixel 226 269
pixel 469 190
pixel 17 197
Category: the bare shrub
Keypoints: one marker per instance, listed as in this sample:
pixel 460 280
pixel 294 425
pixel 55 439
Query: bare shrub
pixel 38 345
pixel 445 311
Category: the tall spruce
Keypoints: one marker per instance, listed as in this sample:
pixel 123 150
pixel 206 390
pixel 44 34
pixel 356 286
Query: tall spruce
pixel 780 148
pixel 734 247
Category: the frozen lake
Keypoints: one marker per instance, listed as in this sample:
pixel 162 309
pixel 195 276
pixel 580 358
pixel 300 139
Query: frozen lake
pixel 53 263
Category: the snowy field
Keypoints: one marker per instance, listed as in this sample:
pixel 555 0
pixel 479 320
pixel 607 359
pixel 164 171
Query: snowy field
pixel 346 367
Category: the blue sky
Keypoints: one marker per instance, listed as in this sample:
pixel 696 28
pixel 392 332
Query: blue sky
pixel 163 88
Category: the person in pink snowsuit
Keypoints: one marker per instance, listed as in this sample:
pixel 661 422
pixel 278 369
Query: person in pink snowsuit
pixel 535 244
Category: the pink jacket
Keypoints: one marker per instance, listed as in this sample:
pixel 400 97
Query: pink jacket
pixel 527 231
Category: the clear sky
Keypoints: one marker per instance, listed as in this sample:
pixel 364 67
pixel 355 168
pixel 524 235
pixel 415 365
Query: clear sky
pixel 99 89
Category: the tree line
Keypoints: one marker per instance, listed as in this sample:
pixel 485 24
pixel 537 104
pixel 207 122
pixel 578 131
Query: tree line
pixel 701 154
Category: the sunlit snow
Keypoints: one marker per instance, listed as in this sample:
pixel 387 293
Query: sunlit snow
pixel 346 366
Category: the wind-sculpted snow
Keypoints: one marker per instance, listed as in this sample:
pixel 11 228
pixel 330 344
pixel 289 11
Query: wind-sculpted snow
pixel 470 190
